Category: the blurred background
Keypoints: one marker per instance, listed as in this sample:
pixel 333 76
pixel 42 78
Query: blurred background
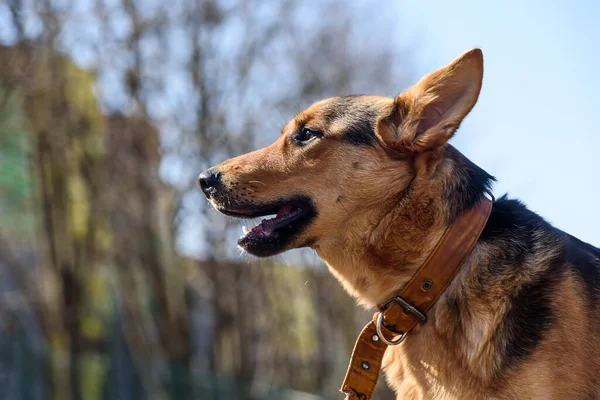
pixel 116 279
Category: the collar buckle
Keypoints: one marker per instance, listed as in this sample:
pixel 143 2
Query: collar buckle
pixel 408 308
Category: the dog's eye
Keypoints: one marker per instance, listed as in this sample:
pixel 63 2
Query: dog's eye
pixel 306 135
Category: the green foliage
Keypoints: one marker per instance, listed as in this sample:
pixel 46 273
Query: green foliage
pixel 79 207
pixel 79 93
pixel 16 180
pixel 93 370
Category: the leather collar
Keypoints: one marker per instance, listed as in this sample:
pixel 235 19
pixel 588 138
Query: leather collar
pixel 400 314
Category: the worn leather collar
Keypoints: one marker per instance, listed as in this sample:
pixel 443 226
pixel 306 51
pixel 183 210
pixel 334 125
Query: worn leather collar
pixel 400 314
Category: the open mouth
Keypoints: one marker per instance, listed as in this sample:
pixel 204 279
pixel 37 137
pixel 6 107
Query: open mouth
pixel 284 221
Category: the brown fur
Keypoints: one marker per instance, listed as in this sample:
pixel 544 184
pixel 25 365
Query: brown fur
pixel 382 207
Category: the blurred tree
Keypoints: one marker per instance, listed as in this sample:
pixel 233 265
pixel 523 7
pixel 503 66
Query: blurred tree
pixel 108 111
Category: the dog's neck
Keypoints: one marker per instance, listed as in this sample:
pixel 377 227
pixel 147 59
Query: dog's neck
pixel 373 264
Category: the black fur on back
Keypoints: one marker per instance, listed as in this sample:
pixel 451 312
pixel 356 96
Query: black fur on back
pixel 584 259
pixel 530 260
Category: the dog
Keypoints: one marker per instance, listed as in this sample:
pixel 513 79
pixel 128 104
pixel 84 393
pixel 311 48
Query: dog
pixel 371 184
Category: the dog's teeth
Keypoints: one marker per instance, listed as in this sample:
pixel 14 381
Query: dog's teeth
pixel 245 230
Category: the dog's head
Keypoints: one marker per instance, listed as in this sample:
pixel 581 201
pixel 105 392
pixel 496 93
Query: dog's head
pixel 340 165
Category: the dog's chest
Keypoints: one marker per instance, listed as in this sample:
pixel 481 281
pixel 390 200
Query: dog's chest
pixel 423 372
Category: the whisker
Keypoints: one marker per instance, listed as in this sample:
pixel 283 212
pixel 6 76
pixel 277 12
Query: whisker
pixel 258 182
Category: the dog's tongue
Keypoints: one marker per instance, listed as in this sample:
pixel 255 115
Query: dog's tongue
pixel 267 226
pixel 285 210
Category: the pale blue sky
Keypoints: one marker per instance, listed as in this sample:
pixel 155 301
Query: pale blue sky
pixel 534 126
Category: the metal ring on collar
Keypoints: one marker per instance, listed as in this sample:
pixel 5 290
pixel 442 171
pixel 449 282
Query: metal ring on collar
pixel 380 333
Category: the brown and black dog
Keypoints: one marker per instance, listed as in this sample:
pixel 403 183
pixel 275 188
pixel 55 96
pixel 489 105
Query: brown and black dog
pixel 370 183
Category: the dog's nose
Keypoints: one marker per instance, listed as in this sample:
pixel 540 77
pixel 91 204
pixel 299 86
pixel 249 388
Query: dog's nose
pixel 208 180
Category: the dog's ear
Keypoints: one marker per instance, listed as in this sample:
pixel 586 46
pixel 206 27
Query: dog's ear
pixel 427 115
